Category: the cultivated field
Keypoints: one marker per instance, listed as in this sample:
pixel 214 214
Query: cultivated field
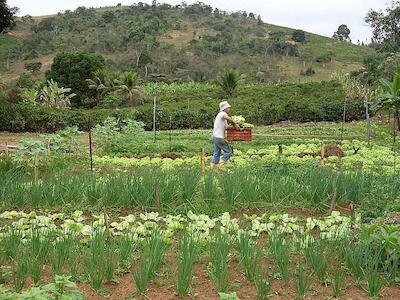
pixel 303 211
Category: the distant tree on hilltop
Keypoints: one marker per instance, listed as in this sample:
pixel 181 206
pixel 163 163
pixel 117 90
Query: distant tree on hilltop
pixel 343 33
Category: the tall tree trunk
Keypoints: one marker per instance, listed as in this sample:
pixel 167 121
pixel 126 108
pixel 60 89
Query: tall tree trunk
pixel 138 55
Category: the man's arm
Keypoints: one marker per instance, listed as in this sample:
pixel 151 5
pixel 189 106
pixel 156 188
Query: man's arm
pixel 230 120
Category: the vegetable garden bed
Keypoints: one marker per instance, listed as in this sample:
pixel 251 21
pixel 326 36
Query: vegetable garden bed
pixel 107 256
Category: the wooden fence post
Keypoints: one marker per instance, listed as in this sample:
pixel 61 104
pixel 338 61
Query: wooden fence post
pixel 7 149
pixel 280 149
pixel 333 202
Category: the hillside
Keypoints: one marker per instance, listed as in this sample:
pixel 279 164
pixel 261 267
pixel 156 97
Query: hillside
pixel 178 43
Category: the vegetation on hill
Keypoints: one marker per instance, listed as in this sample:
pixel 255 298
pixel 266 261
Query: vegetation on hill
pixel 181 43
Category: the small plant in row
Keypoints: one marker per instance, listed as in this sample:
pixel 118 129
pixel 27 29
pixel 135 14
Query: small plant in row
pixel 150 260
pixel 220 249
pixel 189 251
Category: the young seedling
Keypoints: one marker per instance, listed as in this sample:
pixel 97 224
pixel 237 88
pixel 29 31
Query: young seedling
pixel 95 259
pixel 209 189
pixel 337 282
pixel 263 283
pixel 151 259
pixel 37 249
pixel 280 251
pixel 187 254
pixel 126 248
pixel 35 269
pixel 249 255
pixel 302 283
pixel 317 259
pixel 354 257
pixel 11 242
pixel 374 280
pixel 61 252
pixel 220 249
pixel 20 273
pixel 110 261
pixel 224 296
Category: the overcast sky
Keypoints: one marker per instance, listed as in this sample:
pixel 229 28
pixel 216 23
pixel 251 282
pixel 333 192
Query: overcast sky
pixel 318 16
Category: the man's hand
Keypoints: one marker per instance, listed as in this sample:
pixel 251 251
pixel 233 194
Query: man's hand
pixel 230 120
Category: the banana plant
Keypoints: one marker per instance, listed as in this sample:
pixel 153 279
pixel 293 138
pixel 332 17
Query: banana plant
pixel 54 96
pixel 29 96
pixel 389 99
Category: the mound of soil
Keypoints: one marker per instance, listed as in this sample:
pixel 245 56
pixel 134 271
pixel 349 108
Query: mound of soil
pixel 171 155
pixel 333 150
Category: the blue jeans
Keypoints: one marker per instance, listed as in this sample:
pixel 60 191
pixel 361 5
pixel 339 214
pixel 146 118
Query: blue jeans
pixel 221 145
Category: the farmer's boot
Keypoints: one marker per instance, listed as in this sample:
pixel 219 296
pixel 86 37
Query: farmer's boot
pixel 222 166
pixel 214 166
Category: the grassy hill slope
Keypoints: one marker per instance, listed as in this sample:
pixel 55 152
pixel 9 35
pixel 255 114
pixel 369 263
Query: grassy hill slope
pixel 179 43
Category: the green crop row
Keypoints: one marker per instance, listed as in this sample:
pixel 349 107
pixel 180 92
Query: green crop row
pixel 184 188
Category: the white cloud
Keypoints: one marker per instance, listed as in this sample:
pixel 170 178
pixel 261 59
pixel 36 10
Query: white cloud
pixel 318 16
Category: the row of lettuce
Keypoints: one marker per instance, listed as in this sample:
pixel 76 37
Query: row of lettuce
pixel 357 156
pixel 348 155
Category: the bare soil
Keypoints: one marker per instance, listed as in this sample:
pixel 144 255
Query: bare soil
pixel 333 150
pixel 163 288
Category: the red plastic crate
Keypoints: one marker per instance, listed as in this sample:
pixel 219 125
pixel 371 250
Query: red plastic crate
pixel 243 135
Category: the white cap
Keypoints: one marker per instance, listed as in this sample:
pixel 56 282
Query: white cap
pixel 224 105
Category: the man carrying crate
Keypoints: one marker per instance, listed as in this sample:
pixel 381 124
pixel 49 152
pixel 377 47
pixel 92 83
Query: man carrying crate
pixel 220 144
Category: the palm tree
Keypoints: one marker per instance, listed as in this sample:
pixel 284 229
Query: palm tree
pixel 100 83
pixel 229 81
pixel 390 98
pixel 128 83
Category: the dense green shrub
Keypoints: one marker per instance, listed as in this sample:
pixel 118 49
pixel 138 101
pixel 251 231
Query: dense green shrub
pixel 260 104
pixel 299 36
pixel 72 69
